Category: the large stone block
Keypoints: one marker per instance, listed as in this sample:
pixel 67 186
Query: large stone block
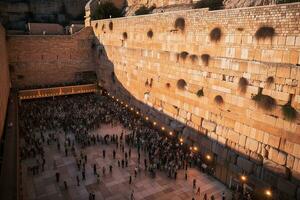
pixel 251 144
pixel 210 126
pixel 277 156
pixel 274 168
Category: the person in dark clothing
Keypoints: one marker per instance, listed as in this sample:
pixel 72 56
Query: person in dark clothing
pixel 57 176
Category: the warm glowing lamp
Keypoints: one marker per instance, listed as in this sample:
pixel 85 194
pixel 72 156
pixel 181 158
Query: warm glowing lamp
pixel 154 123
pixel 162 128
pixel 147 118
pixel 268 193
pixel 170 133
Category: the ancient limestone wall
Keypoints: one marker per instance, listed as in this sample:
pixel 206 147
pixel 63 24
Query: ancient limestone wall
pixel 48 60
pixel 243 137
pixel 4 79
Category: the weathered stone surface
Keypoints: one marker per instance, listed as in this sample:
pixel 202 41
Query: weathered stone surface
pixel 210 126
pixel 274 168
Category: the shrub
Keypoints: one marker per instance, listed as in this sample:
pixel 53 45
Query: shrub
pixel 180 23
pixel 151 82
pixel 270 80
pixel 183 55
pixel 150 33
pixel 219 100
pixel 286 1
pixel 194 58
pixel 147 83
pixel 211 4
pixel 265 32
pixel 200 93
pixel 243 83
pixel 125 36
pixel 111 26
pixel 215 34
pixel 143 10
pixel 181 84
pixel 264 101
pixel 96 25
pixel 103 27
pixel 240 29
pixel 289 112
pixel 205 59
pixel 168 85
pixel 106 10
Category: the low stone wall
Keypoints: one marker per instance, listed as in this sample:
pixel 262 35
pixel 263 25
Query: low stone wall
pixel 49 60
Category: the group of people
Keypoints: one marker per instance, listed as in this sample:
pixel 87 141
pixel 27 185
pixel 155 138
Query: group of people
pixel 74 118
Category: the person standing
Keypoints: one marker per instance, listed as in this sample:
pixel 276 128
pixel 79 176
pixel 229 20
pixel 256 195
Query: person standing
pixel 194 183
pixel 130 180
pixel 57 176
pixel 198 191
pixel 66 185
pixel 103 153
pixel 95 169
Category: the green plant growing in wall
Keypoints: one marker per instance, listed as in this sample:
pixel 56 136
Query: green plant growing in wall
pixel 106 10
pixel 270 80
pixel 150 34
pixel 125 36
pixel 111 26
pixel 200 93
pixel 265 32
pixel 183 55
pixel 243 83
pixel 143 10
pixel 288 111
pixel 211 4
pixel 219 100
pixel 264 101
pixel 168 85
pixel 194 58
pixel 181 84
pixel 205 59
pixel 215 34
pixel 179 23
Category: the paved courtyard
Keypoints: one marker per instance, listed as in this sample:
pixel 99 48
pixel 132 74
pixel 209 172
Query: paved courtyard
pixel 115 185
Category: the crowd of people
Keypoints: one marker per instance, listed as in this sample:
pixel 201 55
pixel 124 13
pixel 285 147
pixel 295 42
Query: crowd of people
pixel 76 117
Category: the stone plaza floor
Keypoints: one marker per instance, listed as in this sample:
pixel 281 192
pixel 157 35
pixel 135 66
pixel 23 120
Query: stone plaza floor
pixel 115 185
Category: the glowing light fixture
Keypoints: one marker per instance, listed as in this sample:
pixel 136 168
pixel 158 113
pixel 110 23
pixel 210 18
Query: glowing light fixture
pixel 170 133
pixel 268 193
pixel 154 123
pixel 162 128
pixel 208 157
pixel 195 148
pixel 147 118
pixel 244 178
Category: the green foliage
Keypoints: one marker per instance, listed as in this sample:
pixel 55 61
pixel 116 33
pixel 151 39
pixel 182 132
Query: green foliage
pixel 181 84
pixel 211 4
pixel 243 83
pixel 215 34
pixel 265 32
pixel 289 112
pixel 180 23
pixel 106 10
pixel 270 80
pixel 219 100
pixel 200 93
pixel 264 101
pixel 183 55
pixel 143 10
pixel 205 59
pixel 125 36
pixel 286 1
pixel 150 34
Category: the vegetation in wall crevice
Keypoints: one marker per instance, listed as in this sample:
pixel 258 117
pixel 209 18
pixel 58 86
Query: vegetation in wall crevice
pixel 205 59
pixel 270 80
pixel 194 58
pixel 219 100
pixel 265 102
pixel 181 84
pixel 265 32
pixel 150 34
pixel 243 83
pixel 210 4
pixel 200 93
pixel 125 36
pixel 179 23
pixel 215 34
pixel 111 26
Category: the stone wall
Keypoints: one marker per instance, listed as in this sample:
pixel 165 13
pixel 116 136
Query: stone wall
pixel 243 137
pixel 4 79
pixel 49 60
